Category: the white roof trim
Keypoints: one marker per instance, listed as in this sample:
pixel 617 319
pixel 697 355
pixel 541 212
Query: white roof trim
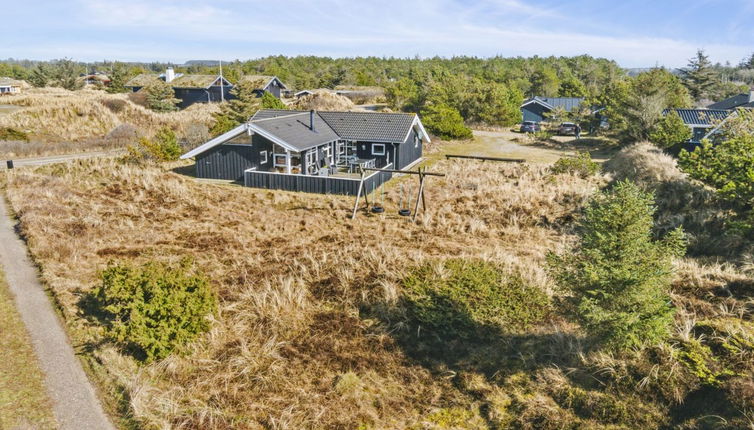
pixel 282 85
pixel 214 142
pixel 538 101
pixel 417 123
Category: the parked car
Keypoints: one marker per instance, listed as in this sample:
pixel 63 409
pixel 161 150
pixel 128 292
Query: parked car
pixel 530 127
pixel 567 129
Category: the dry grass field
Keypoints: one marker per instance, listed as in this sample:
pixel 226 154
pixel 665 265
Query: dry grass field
pixel 23 397
pixel 312 332
pixel 58 121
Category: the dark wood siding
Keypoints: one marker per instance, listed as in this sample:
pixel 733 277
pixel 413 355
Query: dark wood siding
pixel 364 150
pixel 313 184
pixel 274 88
pixel 226 162
pixel 189 96
pixel 409 151
pixel 534 112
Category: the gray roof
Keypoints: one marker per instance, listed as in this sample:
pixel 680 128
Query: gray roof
pixel 567 103
pixel 701 117
pixel 740 100
pixel 291 129
pixel 294 129
pixel 362 126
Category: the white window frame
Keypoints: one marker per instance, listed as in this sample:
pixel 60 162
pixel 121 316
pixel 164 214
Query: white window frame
pixel 327 153
pixel 382 145
pixel 262 157
pixel 274 160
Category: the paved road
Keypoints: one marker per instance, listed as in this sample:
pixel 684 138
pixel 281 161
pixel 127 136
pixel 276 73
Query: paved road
pixel 38 161
pixel 75 403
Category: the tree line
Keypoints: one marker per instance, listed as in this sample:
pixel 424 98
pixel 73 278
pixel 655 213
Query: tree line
pixel 454 93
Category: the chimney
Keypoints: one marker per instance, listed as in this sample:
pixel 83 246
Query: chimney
pixel 169 75
pixel 311 120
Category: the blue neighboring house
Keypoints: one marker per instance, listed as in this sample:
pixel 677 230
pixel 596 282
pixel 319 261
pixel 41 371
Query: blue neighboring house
pixel 702 122
pixel 536 108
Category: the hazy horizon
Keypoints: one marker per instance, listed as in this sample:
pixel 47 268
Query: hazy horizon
pixel 635 34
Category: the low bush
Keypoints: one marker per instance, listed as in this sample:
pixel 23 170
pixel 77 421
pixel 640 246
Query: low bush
pixel 543 135
pixel 11 134
pixel 163 147
pixel 115 105
pixel 153 309
pixel 580 165
pixel 457 297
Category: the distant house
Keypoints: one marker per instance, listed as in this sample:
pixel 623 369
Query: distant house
pixel 318 152
pixel 10 86
pixel 303 93
pixel 263 83
pixel 737 101
pixel 95 78
pixel 701 121
pixel 536 108
pixel 189 88
pixel 194 88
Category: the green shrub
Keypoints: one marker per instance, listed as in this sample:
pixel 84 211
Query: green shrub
pixel 728 167
pixel 152 309
pixel 581 165
pixel 543 135
pixel 456 297
pixel 444 121
pixel 8 133
pixel 269 101
pixel 670 130
pixel 163 147
pixel 619 275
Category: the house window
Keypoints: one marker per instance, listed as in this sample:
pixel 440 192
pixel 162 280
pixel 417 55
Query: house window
pixel 263 157
pixel 279 160
pixel 378 149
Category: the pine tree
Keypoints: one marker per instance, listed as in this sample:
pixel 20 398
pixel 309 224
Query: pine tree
pixel 238 110
pixel 118 78
pixel 619 275
pixel 699 77
pixel 41 75
pixel 160 96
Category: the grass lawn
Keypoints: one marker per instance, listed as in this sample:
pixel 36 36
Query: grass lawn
pixel 23 398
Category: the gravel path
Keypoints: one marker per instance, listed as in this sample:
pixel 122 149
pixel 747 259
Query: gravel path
pixel 75 403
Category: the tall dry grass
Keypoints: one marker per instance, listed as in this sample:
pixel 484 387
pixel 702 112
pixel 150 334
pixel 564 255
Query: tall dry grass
pixel 292 271
pixel 56 115
pixel 310 334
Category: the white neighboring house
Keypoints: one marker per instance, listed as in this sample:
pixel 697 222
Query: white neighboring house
pixel 10 86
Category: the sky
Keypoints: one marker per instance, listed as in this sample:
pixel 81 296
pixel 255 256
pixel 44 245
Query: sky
pixel 640 33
